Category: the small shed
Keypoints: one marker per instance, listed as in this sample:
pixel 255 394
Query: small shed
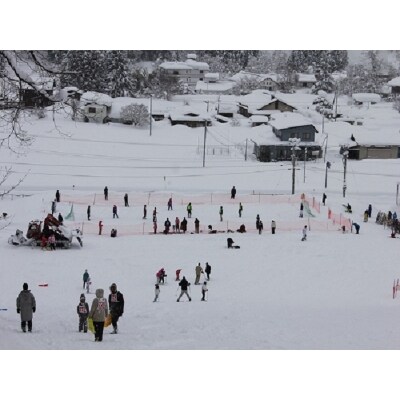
pixel 257 120
pixel 366 98
pixel 95 107
pixel 395 85
pixel 189 117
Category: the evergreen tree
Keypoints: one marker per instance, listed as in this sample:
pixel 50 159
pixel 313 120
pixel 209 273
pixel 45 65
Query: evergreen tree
pixel 119 78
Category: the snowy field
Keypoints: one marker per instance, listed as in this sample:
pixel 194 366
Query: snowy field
pixel 332 292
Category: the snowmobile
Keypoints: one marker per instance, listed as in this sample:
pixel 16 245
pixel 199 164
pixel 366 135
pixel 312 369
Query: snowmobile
pixel 36 235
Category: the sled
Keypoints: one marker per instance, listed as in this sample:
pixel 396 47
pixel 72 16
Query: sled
pixel 43 284
pixel 90 325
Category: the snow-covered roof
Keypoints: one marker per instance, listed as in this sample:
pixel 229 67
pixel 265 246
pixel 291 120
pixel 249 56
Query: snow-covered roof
pixel 394 82
pixel 212 75
pixel 257 77
pixel 188 64
pixel 306 78
pixel 97 98
pixel 287 120
pixel 188 113
pixel 367 97
pixel 222 86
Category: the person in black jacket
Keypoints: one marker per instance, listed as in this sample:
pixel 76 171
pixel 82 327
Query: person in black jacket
pixel 184 284
pixel 116 303
pixel 207 270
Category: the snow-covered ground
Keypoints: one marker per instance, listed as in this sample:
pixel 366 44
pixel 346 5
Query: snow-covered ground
pixel 332 292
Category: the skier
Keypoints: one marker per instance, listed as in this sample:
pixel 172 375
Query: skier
pixel 204 289
pixel 156 292
pixel 115 211
pixel 189 209
pixel 113 233
pixel 207 270
pixel 260 227
pixel 199 271
pixel 88 283
pixel 57 196
pixel 144 211
pixel 301 210
pixel 184 284
pixel 221 213
pixel 161 275
pixel 230 243
pixel 116 302
pixel 369 210
pixel 177 272
pixel 100 227
pixel 197 225
pixel 323 198
pixel 126 200
pixel 26 306
pixel 83 311
pixel 273 227
pixel 233 192
pixel 366 216
pixel 169 203
pixel 98 312
pixel 184 225
pixel 357 227
pixel 60 218
pixel 106 193
pixel 155 227
pixel 177 225
pixel 85 278
pixel 304 231
pixel 155 214
pixel 240 210
pixel 88 212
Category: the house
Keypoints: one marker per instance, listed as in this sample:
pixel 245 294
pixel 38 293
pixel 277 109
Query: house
pixel 188 72
pixel 305 80
pixel 220 87
pixel 211 77
pixel 292 125
pixel 95 107
pixel 189 116
pixel 269 148
pixel 395 85
pixel 269 82
pixel 159 108
pixel 40 96
pixel 262 103
pixel 369 145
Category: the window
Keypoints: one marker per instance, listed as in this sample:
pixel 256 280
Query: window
pixel 176 72
pixel 201 71
pixel 92 110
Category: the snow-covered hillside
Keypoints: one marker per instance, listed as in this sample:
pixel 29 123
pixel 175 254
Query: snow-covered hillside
pixel 332 292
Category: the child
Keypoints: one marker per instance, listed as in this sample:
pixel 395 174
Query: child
pixel 83 311
pixel 88 283
pixel 203 291
pixel 304 233
pixel 177 272
pixel 156 292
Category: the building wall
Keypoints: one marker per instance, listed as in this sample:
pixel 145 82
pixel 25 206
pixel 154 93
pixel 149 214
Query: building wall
pixel 304 133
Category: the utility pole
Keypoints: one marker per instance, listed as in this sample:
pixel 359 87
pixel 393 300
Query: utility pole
pixel 345 155
pixel 151 112
pixel 245 153
pixel 204 150
pixel 328 165
pixel 294 142
pixel 305 159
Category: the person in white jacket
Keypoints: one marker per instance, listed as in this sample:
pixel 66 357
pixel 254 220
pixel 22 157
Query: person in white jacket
pixel 156 292
pixel 204 289
pixel 304 233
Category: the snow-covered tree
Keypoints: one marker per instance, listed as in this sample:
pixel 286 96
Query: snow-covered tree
pixel 119 78
pixel 136 114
